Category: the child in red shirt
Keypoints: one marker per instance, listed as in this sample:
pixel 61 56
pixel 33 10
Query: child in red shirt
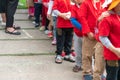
pixel 77 35
pixel 64 30
pixel 89 13
pixel 110 38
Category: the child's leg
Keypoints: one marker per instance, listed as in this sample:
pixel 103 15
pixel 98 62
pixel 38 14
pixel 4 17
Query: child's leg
pixel 87 53
pixel 54 26
pixel 68 40
pixel 43 16
pixel 78 49
pixel 99 64
pixel 112 69
pixel 31 11
pixel 50 28
pixel 46 25
pixel 3 20
pixel 60 36
pixel 37 14
pixel 54 30
pixel 3 15
pixel 118 76
pixel 68 45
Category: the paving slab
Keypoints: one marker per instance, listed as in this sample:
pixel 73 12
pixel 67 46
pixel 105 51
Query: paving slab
pixel 21 11
pixel 26 47
pixel 31 34
pixel 21 17
pixel 23 24
pixel 35 68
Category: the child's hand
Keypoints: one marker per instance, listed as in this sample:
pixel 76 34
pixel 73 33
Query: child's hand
pixel 90 36
pixel 103 15
pixel 117 52
pixel 64 15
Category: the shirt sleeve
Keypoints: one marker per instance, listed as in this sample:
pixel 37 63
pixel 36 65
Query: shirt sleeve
pixel 105 41
pixel 83 18
pixel 104 28
pixel 50 7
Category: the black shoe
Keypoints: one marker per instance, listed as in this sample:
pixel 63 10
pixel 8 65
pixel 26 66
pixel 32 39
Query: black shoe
pixel 15 32
pixel 37 25
pixel 16 27
pixel 87 77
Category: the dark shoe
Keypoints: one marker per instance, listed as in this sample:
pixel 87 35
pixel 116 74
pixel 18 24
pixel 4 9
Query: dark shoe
pixel 77 68
pixel 15 32
pixel 37 25
pixel 87 77
pixel 16 27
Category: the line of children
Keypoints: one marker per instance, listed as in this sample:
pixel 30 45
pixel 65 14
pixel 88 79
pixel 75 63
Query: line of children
pixel 110 37
pixel 88 16
pixel 64 30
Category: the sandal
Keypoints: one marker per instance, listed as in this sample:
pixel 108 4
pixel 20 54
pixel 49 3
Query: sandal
pixel 76 68
pixel 14 32
pixel 58 59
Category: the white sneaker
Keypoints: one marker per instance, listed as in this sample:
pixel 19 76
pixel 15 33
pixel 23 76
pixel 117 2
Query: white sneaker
pixel 42 28
pixel 33 22
pixel 69 58
pixel 46 32
pixel 54 42
pixel 72 58
pixel 3 23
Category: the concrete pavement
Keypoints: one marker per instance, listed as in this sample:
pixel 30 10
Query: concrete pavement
pixel 30 56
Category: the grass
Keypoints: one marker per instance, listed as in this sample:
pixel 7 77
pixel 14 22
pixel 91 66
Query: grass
pixel 22 4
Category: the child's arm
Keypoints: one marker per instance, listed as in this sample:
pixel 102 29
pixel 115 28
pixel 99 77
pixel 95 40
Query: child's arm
pixel 106 42
pixel 50 7
pixel 76 23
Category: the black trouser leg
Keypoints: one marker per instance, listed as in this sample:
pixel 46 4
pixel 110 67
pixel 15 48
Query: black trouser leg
pixel 64 40
pixel 11 9
pixel 112 69
pixel 60 37
pixel 38 12
pixel 68 41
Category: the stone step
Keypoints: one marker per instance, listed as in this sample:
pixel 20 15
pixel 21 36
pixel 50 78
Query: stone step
pixel 35 68
pixel 26 47
pixel 22 11
pixel 28 34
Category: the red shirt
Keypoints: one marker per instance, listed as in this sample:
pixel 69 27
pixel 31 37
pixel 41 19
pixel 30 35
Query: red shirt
pixel 63 6
pixel 110 27
pixel 89 16
pixel 75 13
